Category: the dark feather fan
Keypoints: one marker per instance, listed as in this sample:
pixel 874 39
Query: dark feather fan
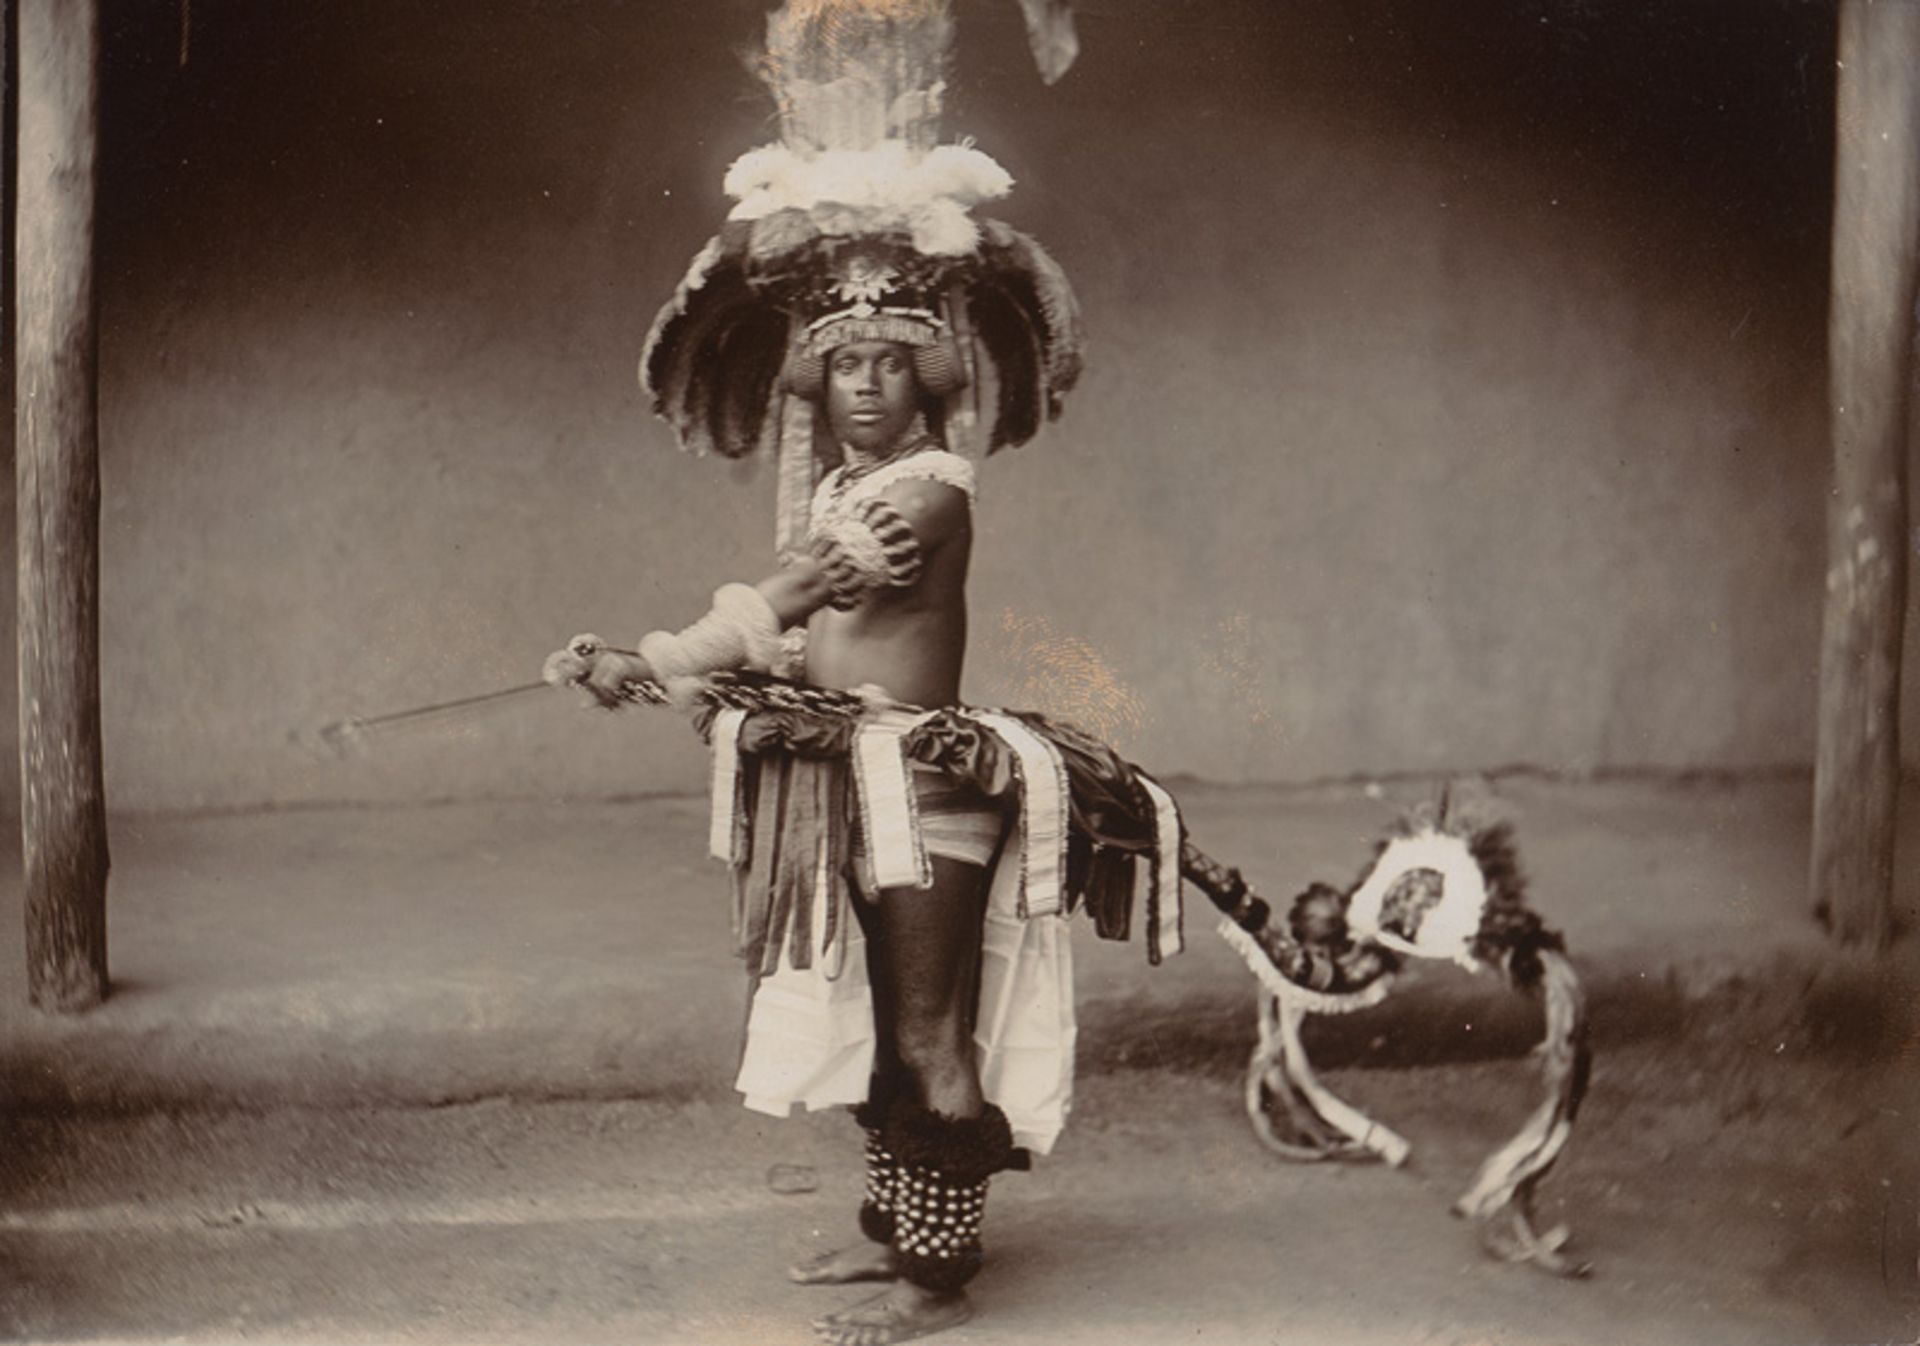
pixel 1029 321
pixel 714 352
pixel 1029 272
pixel 1006 330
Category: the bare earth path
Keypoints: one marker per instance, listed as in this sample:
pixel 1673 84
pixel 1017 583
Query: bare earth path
pixel 1719 1208
pixel 459 1074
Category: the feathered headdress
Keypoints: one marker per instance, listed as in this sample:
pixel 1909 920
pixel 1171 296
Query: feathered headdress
pixel 858 225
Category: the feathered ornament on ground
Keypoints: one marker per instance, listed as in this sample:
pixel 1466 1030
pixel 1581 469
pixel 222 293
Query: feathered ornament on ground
pixel 1445 883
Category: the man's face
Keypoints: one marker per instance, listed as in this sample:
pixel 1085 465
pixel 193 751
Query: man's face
pixel 872 394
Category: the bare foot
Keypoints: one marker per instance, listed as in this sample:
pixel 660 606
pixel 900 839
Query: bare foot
pixel 843 1266
pixel 900 1314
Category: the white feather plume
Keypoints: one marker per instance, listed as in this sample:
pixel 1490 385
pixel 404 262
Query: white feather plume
pixel 889 187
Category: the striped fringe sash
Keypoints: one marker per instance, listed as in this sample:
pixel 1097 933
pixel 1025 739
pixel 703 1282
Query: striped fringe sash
pixel 1044 819
pixel 1157 876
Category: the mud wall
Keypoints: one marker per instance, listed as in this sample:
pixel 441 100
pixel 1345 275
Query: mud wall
pixel 1454 396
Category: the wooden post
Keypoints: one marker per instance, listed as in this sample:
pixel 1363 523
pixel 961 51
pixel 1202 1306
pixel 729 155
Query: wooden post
pixel 1876 230
pixel 63 805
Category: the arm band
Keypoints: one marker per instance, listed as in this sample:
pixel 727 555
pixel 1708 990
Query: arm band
pixel 741 631
pixel 874 549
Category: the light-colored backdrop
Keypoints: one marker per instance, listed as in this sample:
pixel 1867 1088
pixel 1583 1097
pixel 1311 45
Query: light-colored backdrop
pixel 1454 400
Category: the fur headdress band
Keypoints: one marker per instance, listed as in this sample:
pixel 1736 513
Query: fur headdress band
pixel 936 363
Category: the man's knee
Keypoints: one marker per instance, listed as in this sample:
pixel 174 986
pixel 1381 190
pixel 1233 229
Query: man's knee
pixel 931 1043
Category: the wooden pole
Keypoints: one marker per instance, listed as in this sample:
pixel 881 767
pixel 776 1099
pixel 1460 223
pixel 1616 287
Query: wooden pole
pixel 1876 230
pixel 63 805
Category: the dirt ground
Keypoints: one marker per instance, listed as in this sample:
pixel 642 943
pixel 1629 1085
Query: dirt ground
pixel 1744 1180
pixel 459 1075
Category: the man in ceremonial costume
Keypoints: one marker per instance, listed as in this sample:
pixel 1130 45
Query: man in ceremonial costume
pixel 903 864
pixel 902 874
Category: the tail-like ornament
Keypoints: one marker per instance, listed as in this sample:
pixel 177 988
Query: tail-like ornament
pixel 1439 887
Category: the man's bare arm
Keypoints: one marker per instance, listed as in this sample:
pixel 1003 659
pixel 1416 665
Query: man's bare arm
pixel 931 511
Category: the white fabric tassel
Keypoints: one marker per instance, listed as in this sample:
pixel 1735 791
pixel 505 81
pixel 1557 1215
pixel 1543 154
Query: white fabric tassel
pixel 1356 1125
pixel 723 822
pixel 1530 1153
pixel 810 1033
pixel 1026 1029
pixel 888 819
pixel 796 475
pixel 1166 818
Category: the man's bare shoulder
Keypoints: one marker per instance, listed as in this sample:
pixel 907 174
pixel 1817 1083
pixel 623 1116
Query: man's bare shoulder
pixel 935 509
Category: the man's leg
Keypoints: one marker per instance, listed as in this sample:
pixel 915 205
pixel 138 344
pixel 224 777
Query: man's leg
pixel 874 1259
pixel 941 1134
pixel 929 961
